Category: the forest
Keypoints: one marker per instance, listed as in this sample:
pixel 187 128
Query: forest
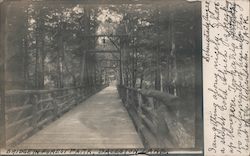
pixel 48 45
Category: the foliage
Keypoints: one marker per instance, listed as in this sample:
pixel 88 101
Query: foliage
pixel 49 44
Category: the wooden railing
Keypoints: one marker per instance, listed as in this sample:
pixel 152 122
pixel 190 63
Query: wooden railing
pixel 158 117
pixel 27 111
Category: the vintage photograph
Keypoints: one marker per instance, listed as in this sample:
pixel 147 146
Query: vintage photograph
pixel 101 74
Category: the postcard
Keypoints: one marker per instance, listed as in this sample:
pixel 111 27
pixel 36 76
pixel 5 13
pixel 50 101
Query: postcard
pixel 124 77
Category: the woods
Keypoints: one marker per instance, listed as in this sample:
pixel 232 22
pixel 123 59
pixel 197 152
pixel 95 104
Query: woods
pixel 161 52
pixel 48 45
pixel 46 41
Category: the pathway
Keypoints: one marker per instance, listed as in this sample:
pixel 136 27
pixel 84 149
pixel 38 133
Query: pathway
pixel 99 122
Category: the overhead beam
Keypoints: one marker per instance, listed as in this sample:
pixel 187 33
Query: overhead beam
pixel 103 51
pixel 102 35
pixel 108 35
pixel 110 67
pixel 107 60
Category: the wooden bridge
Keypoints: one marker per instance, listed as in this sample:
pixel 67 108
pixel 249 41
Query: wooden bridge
pixel 99 122
pixel 95 118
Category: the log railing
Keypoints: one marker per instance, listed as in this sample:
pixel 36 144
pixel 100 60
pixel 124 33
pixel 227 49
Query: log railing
pixel 29 110
pixel 158 117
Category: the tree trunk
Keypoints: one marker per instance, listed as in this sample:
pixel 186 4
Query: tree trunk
pixel 40 51
pixel 157 55
pixel 41 86
pixel 60 59
pixel 26 53
pixel 36 62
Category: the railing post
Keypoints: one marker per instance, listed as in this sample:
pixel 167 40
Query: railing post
pixel 81 93
pixel 2 118
pixel 140 103
pixel 2 123
pixel 139 95
pixel 75 95
pixel 34 101
pixel 55 104
pixel 126 96
pixel 84 93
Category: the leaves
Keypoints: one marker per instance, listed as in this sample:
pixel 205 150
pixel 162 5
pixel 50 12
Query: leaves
pixel 159 42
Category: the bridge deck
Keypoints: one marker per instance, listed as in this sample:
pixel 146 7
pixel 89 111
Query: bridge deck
pixel 99 122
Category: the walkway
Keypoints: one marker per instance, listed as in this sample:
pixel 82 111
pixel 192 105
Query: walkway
pixel 99 122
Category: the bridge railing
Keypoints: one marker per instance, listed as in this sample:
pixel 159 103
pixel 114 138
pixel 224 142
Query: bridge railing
pixel 27 111
pixel 158 118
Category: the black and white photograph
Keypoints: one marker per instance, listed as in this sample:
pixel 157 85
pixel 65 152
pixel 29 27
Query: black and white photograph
pixel 101 74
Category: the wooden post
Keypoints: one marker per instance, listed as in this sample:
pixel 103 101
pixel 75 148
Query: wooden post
pixel 140 113
pixel 2 107
pixel 120 64
pixel 140 102
pixel 75 93
pixel 2 76
pixel 34 101
pixel 127 96
pixel 55 104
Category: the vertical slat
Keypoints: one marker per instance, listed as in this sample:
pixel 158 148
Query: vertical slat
pixel 140 104
pixel 139 96
pixel 128 97
pixel 55 104
pixel 124 94
pixel 34 101
pixel 74 91
pixel 80 94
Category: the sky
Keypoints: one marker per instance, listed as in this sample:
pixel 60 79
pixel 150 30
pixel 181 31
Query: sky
pixel 109 21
